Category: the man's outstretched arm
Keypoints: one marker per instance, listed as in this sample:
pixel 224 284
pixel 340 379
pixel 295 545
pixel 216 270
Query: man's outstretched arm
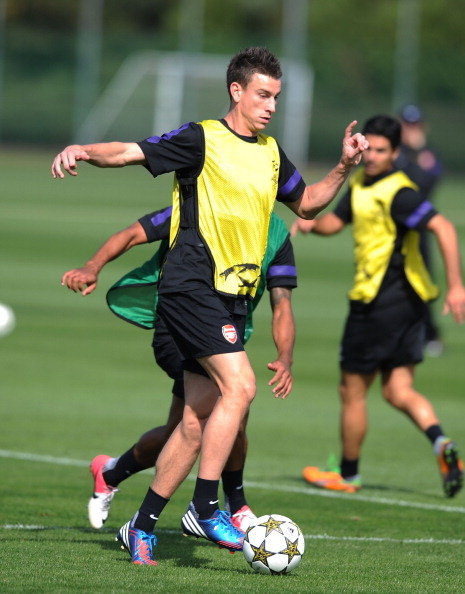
pixel 85 279
pixel 103 154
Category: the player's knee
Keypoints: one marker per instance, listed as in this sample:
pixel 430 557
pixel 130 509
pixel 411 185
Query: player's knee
pixel 395 397
pixel 247 395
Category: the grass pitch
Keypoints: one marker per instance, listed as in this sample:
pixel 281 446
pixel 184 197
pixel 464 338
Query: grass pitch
pixel 76 382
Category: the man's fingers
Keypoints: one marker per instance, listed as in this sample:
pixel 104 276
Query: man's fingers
pixel 68 160
pixel 350 127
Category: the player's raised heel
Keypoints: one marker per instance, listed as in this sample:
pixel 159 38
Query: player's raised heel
pixel 98 507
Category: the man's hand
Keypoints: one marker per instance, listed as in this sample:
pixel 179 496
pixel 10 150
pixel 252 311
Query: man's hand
pixel 302 226
pixel 455 304
pixel 68 158
pixel 82 280
pixel 353 146
pixel 282 378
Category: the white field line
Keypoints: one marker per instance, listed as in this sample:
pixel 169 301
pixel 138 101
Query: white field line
pixel 412 541
pixel 30 457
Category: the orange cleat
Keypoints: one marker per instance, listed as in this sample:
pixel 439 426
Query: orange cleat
pixel 330 479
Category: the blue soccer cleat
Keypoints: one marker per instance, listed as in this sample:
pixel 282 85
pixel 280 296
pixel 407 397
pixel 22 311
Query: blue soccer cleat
pixel 217 529
pixel 138 543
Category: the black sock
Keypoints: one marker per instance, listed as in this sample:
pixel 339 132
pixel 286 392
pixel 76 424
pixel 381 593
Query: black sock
pixel 205 498
pixel 234 489
pixel 148 513
pixel 123 468
pixel 349 468
pixel 433 432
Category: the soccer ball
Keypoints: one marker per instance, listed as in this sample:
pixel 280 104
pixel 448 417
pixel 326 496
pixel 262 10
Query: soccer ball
pixel 7 320
pixel 273 544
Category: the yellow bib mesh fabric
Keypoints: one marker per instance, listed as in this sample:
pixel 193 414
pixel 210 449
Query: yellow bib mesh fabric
pixel 236 191
pixel 374 233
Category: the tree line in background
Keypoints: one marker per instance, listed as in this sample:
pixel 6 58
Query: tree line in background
pixel 349 43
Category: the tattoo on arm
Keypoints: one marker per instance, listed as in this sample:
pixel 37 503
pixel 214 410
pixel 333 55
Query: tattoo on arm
pixel 278 294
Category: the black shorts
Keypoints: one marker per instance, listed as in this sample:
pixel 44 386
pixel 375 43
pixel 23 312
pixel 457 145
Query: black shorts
pixel 168 357
pixel 382 338
pixel 203 323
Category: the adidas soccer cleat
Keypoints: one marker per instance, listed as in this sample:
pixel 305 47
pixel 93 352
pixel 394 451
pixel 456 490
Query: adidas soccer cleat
pixel 98 507
pixel 123 537
pixel 243 518
pixel 330 479
pixel 139 544
pixel 451 467
pixel 219 529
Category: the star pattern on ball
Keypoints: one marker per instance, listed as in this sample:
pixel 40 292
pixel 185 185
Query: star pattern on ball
pixel 291 549
pixel 261 554
pixel 272 524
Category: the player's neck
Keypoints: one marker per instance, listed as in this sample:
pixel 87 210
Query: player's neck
pixel 239 124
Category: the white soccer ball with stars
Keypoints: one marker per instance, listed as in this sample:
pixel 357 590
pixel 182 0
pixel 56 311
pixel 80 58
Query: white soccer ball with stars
pixel 273 544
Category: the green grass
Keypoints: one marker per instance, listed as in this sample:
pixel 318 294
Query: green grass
pixel 76 381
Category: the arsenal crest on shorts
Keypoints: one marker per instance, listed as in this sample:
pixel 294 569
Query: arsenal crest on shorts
pixel 229 332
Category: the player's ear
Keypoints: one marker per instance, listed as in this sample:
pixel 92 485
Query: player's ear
pixel 236 91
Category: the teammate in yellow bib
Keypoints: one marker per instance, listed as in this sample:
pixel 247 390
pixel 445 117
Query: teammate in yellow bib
pixel 385 328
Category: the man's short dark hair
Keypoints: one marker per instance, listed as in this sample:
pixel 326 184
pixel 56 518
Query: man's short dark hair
pixel 384 125
pixel 250 61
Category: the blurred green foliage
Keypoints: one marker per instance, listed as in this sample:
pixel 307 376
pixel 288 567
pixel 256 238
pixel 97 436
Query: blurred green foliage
pixel 350 44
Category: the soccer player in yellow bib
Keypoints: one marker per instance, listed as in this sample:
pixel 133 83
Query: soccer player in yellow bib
pixel 228 175
pixel 385 328
pixel 133 298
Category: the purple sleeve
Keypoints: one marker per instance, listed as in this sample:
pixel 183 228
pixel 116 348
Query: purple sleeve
pixel 282 271
pixel 291 186
pixel 410 209
pixel 174 151
pixel 157 224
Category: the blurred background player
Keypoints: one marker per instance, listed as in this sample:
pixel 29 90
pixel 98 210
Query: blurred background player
pixel 422 165
pixel 133 298
pixel 384 331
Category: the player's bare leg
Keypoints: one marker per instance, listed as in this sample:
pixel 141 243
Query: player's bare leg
pixel 235 379
pixel 353 390
pixel 398 390
pixel 150 444
pixel 181 450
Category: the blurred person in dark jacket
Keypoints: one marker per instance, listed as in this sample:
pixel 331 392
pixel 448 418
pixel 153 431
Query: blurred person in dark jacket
pixel 422 165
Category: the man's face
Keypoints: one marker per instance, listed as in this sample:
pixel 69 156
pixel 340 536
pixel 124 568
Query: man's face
pixel 379 157
pixel 257 101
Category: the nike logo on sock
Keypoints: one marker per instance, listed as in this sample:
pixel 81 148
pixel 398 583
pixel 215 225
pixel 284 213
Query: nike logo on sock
pixel 213 502
pixel 153 517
